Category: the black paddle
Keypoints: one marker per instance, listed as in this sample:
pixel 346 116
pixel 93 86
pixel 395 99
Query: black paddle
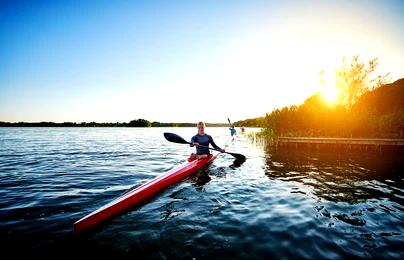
pixel 177 139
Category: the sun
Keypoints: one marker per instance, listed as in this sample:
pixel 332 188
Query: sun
pixel 329 90
pixel 330 94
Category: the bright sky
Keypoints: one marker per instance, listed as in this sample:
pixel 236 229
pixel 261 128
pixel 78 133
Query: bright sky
pixel 182 61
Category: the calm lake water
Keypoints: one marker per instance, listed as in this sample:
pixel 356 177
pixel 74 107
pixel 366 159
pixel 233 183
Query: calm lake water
pixel 277 205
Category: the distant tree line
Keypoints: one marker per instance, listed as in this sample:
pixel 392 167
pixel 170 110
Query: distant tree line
pixel 139 123
pixel 367 108
pixel 133 123
pixel 253 122
pixel 162 124
pixel 63 124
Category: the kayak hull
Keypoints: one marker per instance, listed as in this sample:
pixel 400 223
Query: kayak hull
pixel 141 193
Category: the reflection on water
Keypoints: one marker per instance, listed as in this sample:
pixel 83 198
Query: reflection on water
pixel 340 177
pixel 202 179
pixel 359 194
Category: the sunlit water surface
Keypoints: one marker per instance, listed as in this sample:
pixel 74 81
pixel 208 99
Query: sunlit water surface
pixel 277 205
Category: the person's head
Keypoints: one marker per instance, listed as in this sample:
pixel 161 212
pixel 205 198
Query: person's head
pixel 201 127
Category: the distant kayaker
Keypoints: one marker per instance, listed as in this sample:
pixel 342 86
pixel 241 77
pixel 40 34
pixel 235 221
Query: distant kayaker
pixel 203 139
pixel 233 131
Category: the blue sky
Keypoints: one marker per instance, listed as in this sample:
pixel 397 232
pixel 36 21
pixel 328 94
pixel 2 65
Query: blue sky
pixel 181 61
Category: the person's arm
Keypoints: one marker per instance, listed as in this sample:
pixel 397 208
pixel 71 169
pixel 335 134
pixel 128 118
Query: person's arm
pixel 192 141
pixel 214 144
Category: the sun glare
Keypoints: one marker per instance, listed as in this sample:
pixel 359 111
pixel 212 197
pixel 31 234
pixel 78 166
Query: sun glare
pixel 329 90
pixel 330 95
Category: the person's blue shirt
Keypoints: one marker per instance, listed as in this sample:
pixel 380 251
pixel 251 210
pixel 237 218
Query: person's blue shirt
pixel 204 140
pixel 232 131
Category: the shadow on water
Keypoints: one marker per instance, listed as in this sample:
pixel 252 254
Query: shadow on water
pixel 350 177
pixel 202 179
pixel 204 176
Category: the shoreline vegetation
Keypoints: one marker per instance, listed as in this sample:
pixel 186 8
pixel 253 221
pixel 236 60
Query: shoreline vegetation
pixel 366 107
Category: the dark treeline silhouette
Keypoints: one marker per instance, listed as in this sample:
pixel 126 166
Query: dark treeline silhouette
pixel 253 122
pixel 134 123
pixel 178 124
pixel 63 124
pixel 367 108
pixel 139 123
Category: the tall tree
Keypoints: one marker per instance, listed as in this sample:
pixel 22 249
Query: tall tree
pixel 354 78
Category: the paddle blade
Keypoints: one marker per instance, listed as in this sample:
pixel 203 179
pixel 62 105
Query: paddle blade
pixel 236 164
pixel 240 158
pixel 174 138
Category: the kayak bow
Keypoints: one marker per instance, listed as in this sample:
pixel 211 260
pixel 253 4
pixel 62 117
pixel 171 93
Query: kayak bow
pixel 141 193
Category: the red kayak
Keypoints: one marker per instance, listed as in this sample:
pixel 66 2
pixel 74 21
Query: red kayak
pixel 141 193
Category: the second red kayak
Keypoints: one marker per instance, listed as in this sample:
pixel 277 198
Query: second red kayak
pixel 141 193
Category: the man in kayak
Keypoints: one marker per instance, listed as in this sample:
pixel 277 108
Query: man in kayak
pixel 203 139
pixel 233 132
